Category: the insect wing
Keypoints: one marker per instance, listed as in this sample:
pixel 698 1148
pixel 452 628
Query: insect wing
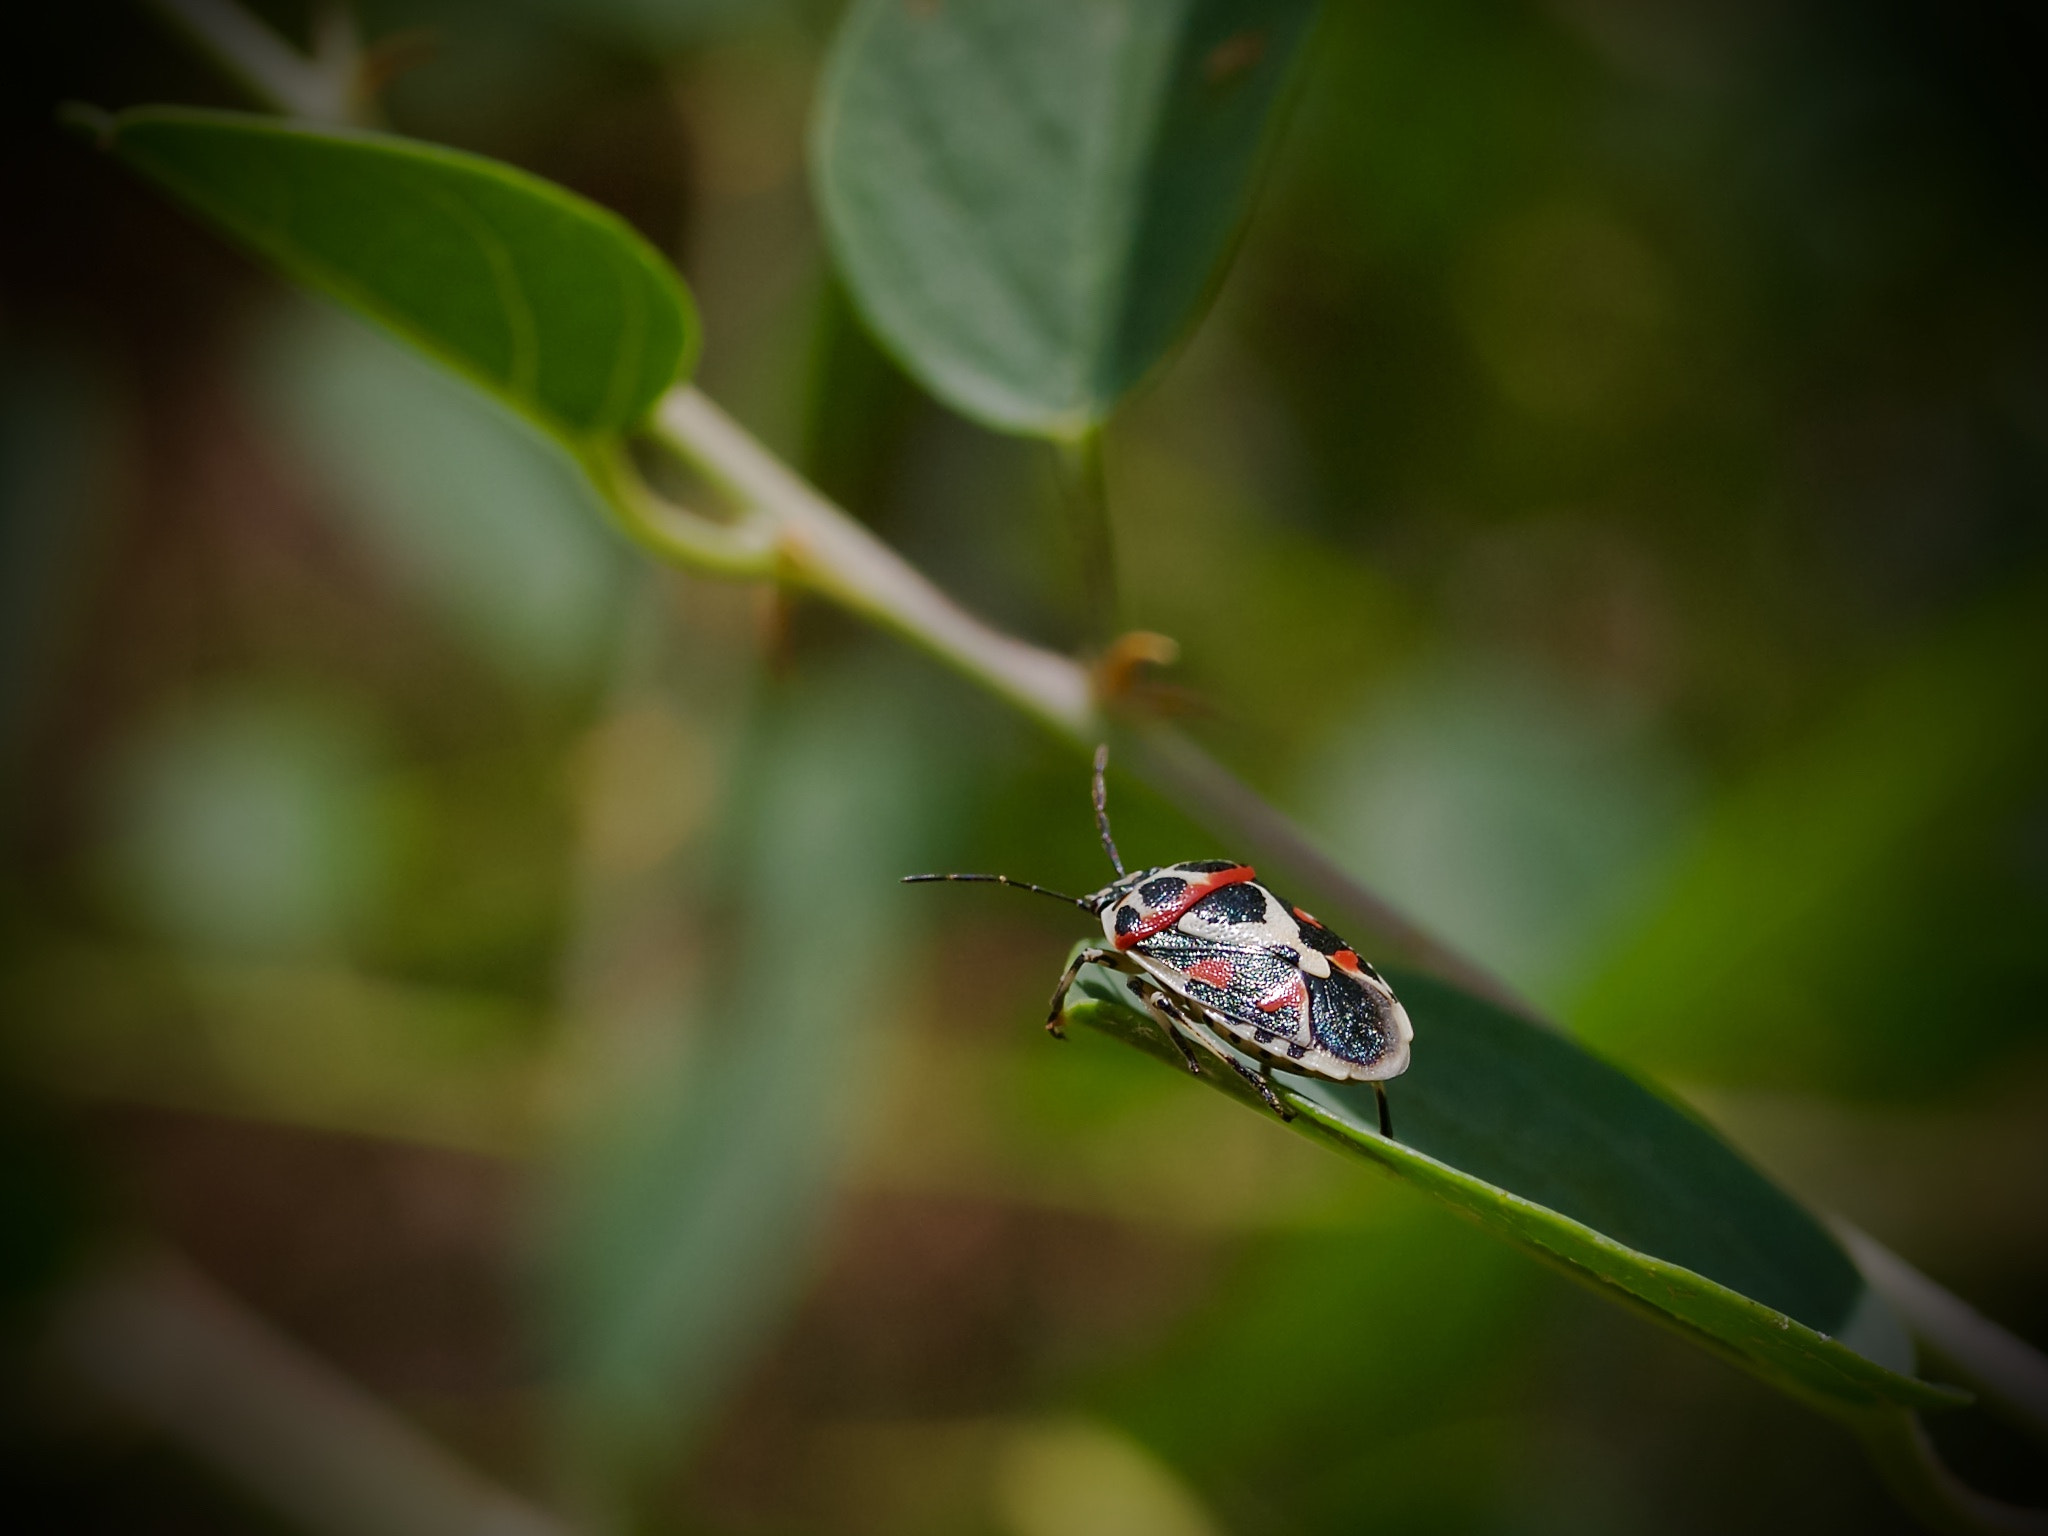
pixel 1360 1021
pixel 1261 989
pixel 1283 983
pixel 1357 1015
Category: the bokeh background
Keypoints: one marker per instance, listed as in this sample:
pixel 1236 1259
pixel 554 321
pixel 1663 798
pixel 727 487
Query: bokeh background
pixel 1605 503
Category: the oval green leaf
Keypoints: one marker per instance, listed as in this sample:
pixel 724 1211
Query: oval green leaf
pixel 1569 1157
pixel 548 301
pixel 1030 202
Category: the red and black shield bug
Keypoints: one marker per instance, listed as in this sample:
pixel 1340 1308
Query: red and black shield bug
pixel 1209 950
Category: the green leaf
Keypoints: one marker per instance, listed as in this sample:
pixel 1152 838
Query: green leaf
pixel 1565 1155
pixel 490 528
pixel 1029 202
pixel 684 1228
pixel 548 301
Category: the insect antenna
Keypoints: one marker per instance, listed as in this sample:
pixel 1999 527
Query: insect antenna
pixel 1017 885
pixel 1102 808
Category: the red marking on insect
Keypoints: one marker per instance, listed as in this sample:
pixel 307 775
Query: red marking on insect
pixel 1305 917
pixel 1215 970
pixel 1173 911
pixel 1288 992
pixel 1347 958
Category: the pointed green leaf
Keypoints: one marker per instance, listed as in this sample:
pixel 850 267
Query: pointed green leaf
pixel 1547 1145
pixel 682 1227
pixel 1030 202
pixel 548 301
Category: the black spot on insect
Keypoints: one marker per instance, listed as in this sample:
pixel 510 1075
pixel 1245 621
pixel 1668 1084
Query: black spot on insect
pixel 1296 1052
pixel 1348 1019
pixel 1243 903
pixel 1210 866
pixel 1162 892
pixel 1126 919
pixel 1263 1036
pixel 1320 939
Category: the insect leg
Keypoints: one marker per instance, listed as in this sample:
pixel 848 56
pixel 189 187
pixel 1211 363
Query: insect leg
pixel 1059 993
pixel 1195 1025
pixel 1264 1085
pixel 1270 1089
pixel 1379 1091
pixel 1157 999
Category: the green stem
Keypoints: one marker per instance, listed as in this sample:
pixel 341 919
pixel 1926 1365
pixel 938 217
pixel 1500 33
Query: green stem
pixel 818 546
pixel 1087 500
pixel 823 548
pixel 1192 779
pixel 744 547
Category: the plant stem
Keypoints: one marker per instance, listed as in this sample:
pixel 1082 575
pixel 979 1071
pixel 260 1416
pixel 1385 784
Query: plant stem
pixel 322 88
pixel 816 545
pixel 1198 784
pixel 2001 1368
pixel 1087 499
pixel 742 547
pixel 819 546
pixel 788 531
pixel 186 1358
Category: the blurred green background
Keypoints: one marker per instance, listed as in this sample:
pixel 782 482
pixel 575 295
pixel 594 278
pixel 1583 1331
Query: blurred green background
pixel 1605 503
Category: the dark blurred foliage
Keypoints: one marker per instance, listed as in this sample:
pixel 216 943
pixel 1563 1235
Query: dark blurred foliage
pixel 1606 502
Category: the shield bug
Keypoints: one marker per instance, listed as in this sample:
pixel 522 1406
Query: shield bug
pixel 1213 953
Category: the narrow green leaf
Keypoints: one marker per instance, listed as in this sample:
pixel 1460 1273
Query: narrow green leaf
pixel 1547 1145
pixel 683 1228
pixel 548 301
pixel 1030 202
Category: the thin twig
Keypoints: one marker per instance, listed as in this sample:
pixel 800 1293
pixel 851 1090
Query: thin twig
pixel 2002 1368
pixel 822 547
pixel 789 531
pixel 1216 797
